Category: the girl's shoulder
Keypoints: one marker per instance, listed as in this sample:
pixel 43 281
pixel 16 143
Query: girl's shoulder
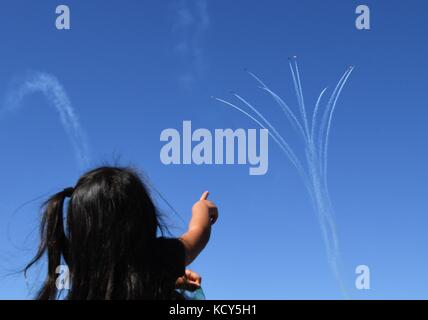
pixel 170 256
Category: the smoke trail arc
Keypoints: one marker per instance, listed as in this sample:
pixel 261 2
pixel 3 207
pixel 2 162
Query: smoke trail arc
pixel 54 92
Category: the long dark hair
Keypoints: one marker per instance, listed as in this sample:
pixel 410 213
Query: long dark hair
pixel 107 240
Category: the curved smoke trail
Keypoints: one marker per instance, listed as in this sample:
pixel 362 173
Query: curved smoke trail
pixel 315 147
pixel 54 92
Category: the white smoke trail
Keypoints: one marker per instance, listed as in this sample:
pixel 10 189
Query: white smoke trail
pixel 284 107
pixel 316 149
pixel 325 117
pixel 279 140
pixel 314 116
pixel 299 90
pixel 287 150
pixel 54 92
pixel 330 118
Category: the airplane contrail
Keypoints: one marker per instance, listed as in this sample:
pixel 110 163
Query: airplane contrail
pixel 315 137
pixel 54 92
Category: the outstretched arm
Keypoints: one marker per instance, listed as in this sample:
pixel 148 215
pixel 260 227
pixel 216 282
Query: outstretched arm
pixel 204 214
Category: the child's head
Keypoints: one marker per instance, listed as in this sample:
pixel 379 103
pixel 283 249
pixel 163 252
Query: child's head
pixel 106 237
pixel 111 202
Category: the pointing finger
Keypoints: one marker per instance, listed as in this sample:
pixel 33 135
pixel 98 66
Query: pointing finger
pixel 205 195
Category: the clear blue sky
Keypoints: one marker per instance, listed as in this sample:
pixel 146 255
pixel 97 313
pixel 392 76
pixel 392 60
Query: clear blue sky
pixel 134 68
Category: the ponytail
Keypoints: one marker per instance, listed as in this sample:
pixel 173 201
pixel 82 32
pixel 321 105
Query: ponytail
pixel 53 241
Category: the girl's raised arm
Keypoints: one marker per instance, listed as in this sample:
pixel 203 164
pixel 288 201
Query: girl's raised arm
pixel 204 214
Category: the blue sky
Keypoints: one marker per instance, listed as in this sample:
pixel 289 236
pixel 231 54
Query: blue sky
pixel 134 68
